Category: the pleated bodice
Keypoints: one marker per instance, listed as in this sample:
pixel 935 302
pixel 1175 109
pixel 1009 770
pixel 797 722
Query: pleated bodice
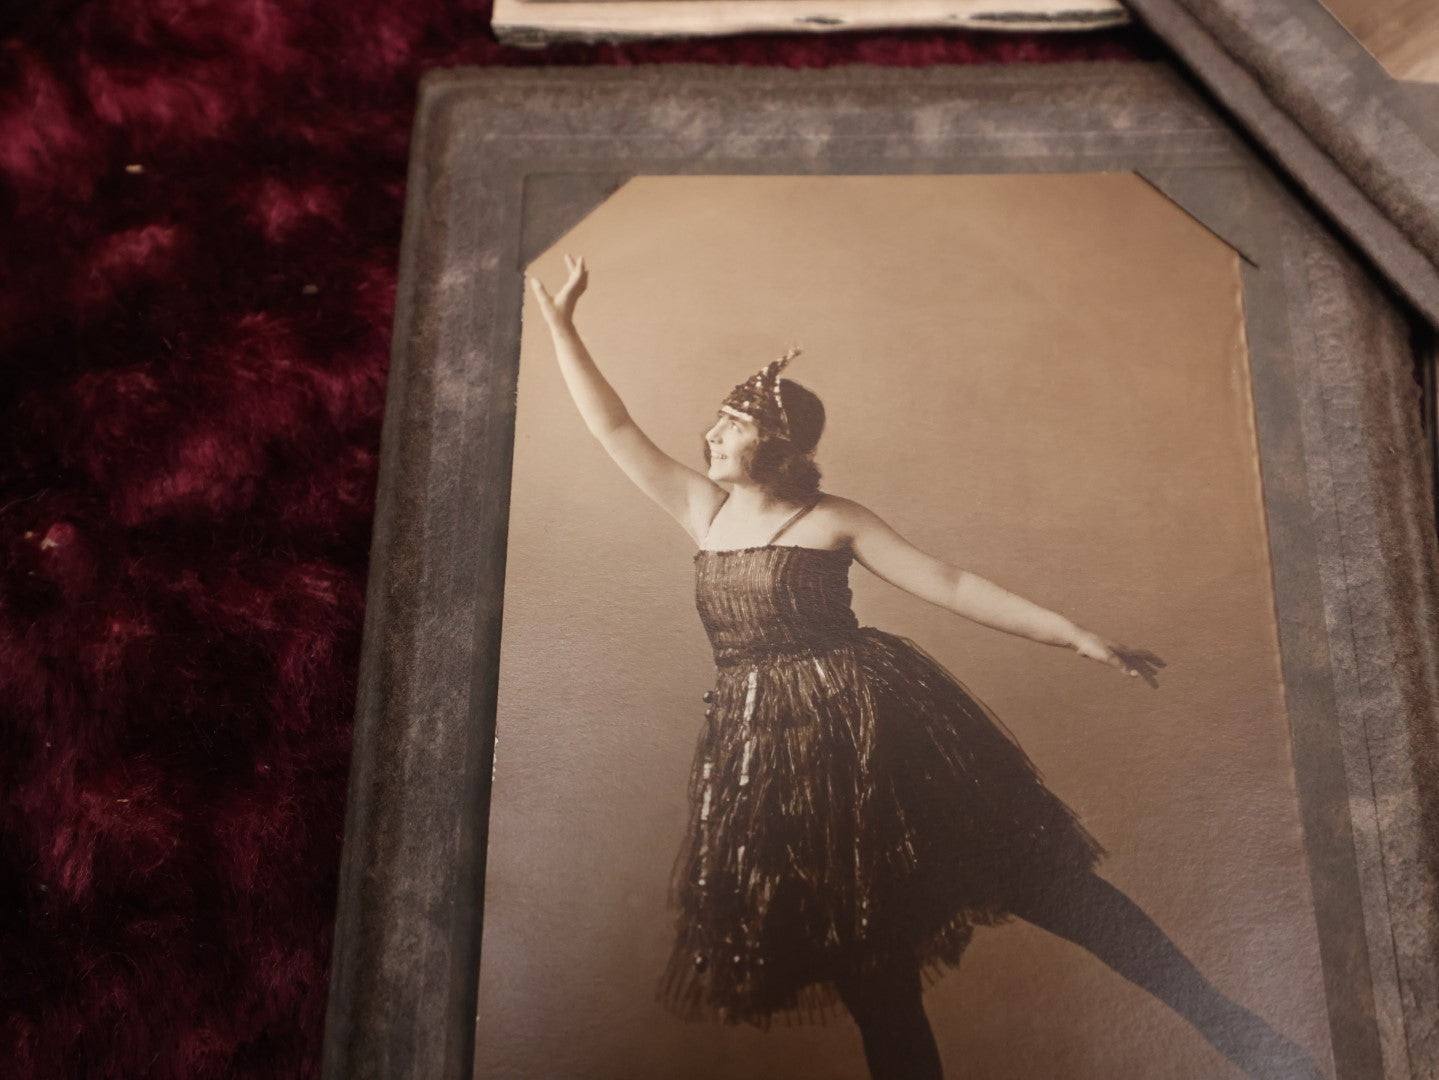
pixel 773 600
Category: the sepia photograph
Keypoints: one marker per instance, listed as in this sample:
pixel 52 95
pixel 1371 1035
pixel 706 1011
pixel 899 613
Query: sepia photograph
pixel 890 681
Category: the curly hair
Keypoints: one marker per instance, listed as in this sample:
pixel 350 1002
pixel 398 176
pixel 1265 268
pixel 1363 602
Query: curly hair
pixel 785 466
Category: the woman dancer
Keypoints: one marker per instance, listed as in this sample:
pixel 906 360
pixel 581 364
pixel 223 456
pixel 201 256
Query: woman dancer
pixel 855 811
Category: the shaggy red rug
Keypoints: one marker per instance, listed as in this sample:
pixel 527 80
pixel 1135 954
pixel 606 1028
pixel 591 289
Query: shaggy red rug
pixel 201 205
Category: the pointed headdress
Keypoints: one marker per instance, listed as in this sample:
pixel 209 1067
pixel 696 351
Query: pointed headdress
pixel 760 400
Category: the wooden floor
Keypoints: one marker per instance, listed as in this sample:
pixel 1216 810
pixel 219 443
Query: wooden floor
pixel 1402 34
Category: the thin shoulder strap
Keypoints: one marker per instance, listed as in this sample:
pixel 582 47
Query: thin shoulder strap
pixel 711 523
pixel 801 512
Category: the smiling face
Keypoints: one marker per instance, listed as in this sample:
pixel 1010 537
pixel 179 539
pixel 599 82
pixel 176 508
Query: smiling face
pixel 731 443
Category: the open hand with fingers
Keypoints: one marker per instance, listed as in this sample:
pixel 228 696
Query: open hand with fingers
pixel 559 309
pixel 1136 663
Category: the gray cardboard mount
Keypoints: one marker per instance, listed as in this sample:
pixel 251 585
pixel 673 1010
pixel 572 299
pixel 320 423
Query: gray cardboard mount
pixel 1362 144
pixel 505 161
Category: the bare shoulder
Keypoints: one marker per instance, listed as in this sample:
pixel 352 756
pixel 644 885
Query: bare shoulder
pixel 704 503
pixel 845 516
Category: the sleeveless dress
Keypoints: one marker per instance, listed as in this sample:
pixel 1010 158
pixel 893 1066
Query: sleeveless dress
pixel 852 806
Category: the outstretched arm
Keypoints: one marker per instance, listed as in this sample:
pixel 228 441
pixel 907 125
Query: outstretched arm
pixel 882 551
pixel 688 496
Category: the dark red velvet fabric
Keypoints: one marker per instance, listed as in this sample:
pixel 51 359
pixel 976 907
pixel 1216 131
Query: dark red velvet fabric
pixel 201 203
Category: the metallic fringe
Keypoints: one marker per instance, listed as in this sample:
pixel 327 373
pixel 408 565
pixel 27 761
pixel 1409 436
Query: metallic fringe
pixel 853 807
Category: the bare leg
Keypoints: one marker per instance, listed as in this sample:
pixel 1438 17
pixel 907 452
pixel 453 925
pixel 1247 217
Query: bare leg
pixel 1092 913
pixel 898 1042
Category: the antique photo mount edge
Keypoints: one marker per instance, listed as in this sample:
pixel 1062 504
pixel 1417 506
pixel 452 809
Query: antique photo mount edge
pixel 394 899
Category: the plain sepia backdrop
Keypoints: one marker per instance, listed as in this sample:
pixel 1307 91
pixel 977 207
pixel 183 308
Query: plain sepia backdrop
pixel 1040 378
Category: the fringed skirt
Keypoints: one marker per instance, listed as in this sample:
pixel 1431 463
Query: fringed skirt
pixel 853 808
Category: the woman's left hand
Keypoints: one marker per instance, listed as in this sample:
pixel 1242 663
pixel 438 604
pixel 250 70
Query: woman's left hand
pixel 1136 663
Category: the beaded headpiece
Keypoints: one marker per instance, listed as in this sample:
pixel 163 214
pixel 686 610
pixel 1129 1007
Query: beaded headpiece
pixel 758 398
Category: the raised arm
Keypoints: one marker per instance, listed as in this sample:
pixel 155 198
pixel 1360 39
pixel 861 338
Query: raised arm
pixel 687 495
pixel 882 551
